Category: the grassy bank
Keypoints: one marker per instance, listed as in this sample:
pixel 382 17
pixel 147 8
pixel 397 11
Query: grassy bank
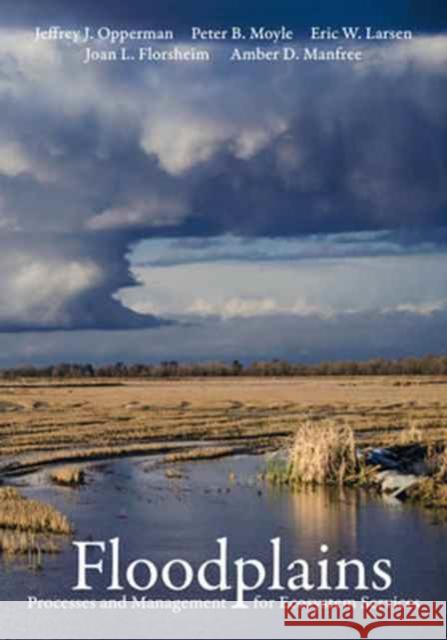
pixel 29 526
pixel 328 454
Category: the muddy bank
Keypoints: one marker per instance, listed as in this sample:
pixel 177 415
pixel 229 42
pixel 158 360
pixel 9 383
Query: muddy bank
pixel 175 452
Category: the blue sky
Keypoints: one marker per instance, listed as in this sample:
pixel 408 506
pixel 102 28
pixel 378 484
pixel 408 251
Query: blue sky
pixel 220 210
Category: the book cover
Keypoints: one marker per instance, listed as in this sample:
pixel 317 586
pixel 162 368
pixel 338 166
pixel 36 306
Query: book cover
pixel 223 314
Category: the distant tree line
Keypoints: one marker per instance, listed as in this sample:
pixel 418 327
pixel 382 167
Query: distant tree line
pixel 426 365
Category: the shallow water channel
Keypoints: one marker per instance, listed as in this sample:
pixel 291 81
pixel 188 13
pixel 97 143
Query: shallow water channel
pixel 161 518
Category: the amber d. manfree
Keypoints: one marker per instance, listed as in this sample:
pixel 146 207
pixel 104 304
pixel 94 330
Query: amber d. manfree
pixel 249 574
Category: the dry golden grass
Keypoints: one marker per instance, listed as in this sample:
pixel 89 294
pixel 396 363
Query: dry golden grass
pixel 442 465
pixel 10 493
pixel 24 542
pixel 202 453
pixel 79 423
pixel 41 425
pixel 412 434
pixel 430 493
pixel 68 476
pixel 23 514
pixel 32 462
pixel 323 454
pixel 326 454
pixel 431 490
pixel 437 462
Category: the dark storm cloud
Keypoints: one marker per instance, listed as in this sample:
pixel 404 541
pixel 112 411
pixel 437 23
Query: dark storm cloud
pixel 92 159
pixel 425 15
pixel 357 154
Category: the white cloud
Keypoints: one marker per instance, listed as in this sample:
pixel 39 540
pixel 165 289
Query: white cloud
pixel 232 288
pixel 181 139
pixel 427 52
pixel 51 73
pixel 13 160
pixel 153 211
pixel 419 309
pixel 234 308
pixel 36 291
pixel 183 142
pixel 251 140
pixel 16 160
pixel 249 308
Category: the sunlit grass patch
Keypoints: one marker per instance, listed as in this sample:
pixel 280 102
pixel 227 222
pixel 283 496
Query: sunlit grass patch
pixel 23 514
pixel 68 476
pixel 412 434
pixel 323 454
pixel 24 542
pixel 202 453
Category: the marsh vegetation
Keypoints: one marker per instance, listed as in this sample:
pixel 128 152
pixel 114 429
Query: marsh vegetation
pixel 323 420
pixel 68 476
pixel 328 454
pixel 29 526
pixel 323 454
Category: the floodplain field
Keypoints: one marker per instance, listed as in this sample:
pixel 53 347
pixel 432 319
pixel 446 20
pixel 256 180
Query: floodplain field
pixel 323 428
pixel 52 422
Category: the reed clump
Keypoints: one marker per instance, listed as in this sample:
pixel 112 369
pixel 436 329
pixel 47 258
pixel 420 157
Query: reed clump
pixel 10 493
pixel 321 454
pixel 24 542
pixel 24 514
pixel 68 476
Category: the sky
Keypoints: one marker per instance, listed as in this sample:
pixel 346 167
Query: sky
pixel 219 211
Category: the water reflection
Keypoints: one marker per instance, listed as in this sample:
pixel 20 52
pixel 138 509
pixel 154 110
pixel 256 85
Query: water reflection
pixel 326 515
